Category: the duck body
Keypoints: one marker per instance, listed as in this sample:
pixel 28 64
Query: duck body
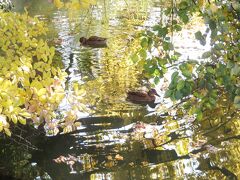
pixel 94 41
pixel 142 97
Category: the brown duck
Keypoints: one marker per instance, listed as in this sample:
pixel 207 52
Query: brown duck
pixel 94 41
pixel 142 97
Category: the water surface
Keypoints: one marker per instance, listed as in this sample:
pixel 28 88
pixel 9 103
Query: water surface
pixel 118 139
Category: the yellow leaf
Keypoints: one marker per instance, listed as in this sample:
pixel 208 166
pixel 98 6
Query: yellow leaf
pixel 213 7
pixel 25 114
pixel 22 120
pixel 10 108
pixel 42 92
pixel 75 87
pixel 14 119
pixel 77 124
pixel 201 3
pixel 36 84
pixel 7 131
pixel 59 4
pixel 43 98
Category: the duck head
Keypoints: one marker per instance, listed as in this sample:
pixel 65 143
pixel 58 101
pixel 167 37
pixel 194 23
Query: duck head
pixel 83 40
pixel 152 93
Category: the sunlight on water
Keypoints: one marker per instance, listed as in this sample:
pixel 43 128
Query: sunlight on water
pixel 118 139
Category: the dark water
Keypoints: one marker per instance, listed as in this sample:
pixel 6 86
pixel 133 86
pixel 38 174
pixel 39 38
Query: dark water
pixel 117 139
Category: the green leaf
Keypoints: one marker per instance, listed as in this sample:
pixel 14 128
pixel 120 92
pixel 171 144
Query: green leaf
pixel 168 93
pixel 134 58
pixel 186 70
pixel 156 27
pixel 143 53
pixel 180 85
pixel 178 95
pixel 177 27
pixel 230 64
pixel 212 101
pixel 168 11
pixel 199 115
pixel 174 22
pixel 237 102
pixel 235 70
pixel 183 5
pixel 167 46
pixel 156 80
pixel 174 75
pixel 144 43
pixel 162 32
pixel 208 105
pixel 206 55
pixel 184 17
pixel 210 70
pixel 212 24
pixel 198 35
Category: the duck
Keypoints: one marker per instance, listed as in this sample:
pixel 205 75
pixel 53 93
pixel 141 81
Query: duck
pixel 142 97
pixel 94 41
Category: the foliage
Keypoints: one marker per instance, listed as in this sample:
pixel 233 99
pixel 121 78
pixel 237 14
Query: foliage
pixel 31 88
pixel 74 4
pixel 199 84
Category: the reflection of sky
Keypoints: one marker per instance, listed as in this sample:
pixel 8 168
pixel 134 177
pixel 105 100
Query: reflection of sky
pixel 186 44
pixel 190 49
pixel 62 24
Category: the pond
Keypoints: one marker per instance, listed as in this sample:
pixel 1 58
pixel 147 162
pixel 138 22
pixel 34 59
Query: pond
pixel 119 139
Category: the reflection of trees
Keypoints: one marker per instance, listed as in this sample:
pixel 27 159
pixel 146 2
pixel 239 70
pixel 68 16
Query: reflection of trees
pixel 179 149
pixel 110 69
pixel 15 156
pixel 93 154
pixel 87 64
pixel 96 149
pixel 116 74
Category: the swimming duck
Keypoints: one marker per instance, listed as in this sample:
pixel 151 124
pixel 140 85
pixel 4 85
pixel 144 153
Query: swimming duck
pixel 94 41
pixel 142 97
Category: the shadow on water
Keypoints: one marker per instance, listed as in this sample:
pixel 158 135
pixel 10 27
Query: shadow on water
pixel 111 147
pixel 99 151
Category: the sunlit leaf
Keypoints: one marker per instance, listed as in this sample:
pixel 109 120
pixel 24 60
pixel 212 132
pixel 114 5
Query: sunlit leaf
pixel 7 131
pixel 22 120
pixel 58 3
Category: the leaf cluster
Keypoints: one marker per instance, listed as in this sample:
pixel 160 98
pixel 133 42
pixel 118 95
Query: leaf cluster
pixel 30 86
pixel 199 84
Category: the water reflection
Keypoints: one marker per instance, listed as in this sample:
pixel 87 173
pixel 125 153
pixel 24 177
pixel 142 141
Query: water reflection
pixel 118 140
pixel 155 150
